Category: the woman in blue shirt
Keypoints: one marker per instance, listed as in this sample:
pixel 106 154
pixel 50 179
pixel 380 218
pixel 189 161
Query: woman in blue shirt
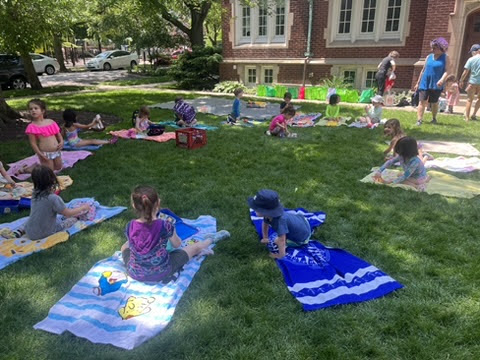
pixel 431 79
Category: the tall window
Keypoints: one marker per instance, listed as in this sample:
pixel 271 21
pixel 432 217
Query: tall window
pixel 394 10
pixel 268 76
pixel 251 76
pixel 370 81
pixel 349 76
pixel 262 18
pixel 368 18
pixel 280 18
pixel 245 21
pixel 345 17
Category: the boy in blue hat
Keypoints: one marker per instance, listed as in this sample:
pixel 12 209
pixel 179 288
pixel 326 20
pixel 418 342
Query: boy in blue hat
pixel 292 229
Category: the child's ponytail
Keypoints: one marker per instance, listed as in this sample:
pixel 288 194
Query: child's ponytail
pixel 144 200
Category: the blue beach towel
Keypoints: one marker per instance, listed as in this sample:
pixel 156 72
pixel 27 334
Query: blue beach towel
pixel 174 125
pixel 68 147
pixel 107 307
pixel 13 249
pixel 319 276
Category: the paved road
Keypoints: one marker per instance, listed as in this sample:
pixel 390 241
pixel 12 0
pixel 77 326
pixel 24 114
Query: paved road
pixel 83 78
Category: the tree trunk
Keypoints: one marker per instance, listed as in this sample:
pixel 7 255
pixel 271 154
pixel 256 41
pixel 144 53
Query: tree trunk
pixel 7 114
pixel 196 31
pixel 99 45
pixel 31 73
pixel 57 47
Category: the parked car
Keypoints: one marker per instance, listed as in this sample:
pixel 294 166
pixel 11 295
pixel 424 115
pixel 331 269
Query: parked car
pixel 44 64
pixel 12 72
pixel 115 59
pixel 177 53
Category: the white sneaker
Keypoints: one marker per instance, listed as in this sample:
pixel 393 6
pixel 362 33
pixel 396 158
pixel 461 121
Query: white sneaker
pixel 267 133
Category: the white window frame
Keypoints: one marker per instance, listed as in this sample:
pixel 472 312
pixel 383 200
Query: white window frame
pixel 264 68
pixel 262 38
pixel 279 38
pixel 270 39
pixel 364 78
pixel 350 70
pixel 379 36
pixel 367 34
pixel 245 39
pixel 247 75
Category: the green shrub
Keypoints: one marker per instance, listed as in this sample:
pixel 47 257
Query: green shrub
pixel 337 82
pixel 229 87
pixel 198 69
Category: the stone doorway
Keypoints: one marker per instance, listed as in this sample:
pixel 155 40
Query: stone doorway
pixel 471 36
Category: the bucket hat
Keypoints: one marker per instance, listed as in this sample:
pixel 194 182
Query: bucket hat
pixel 377 99
pixel 475 47
pixel 267 203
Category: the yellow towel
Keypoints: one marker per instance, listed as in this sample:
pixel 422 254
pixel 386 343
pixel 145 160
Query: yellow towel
pixel 440 183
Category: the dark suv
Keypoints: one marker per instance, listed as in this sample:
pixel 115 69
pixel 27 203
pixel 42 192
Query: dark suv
pixel 12 72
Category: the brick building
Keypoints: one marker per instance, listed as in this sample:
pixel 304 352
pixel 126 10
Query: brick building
pixel 292 41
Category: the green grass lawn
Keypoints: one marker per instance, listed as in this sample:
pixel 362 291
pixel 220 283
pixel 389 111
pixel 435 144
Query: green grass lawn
pixel 10 94
pixel 238 306
pixel 141 80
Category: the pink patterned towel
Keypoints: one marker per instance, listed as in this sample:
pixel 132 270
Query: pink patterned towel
pixel 69 159
pixel 92 212
pixel 131 134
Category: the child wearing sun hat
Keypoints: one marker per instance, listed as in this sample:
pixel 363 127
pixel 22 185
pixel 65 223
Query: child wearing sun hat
pixel 373 111
pixel 292 229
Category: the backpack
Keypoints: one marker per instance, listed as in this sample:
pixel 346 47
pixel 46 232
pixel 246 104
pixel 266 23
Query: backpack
pixel 154 130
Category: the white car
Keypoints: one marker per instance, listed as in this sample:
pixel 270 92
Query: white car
pixel 45 64
pixel 115 59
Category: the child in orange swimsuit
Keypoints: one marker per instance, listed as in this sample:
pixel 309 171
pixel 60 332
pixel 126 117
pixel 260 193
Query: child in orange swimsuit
pixel 44 136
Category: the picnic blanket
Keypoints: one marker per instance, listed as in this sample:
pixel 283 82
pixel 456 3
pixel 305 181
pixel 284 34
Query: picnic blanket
pixel 108 307
pixel 332 123
pixel 13 249
pixel 457 164
pixel 223 107
pixel 69 158
pixel 68 147
pixel 319 276
pixel 197 126
pixel 130 134
pixel 24 189
pixel 304 120
pixel 448 147
pixel 440 183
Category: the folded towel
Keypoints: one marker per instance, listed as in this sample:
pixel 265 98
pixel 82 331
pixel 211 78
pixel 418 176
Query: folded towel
pixel 68 147
pixel 319 276
pixel 108 307
pixel 13 249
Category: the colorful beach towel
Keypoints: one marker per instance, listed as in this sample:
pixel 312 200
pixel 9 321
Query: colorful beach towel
pixel 304 120
pixel 68 147
pixel 457 164
pixel 107 307
pixel 69 158
pixel 13 249
pixel 131 134
pixel 174 125
pixel 440 183
pixel 319 276
pixel 24 189
pixel 223 107
pixel 448 147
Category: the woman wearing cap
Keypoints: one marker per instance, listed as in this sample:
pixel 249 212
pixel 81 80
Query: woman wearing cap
pixel 472 70
pixel 386 69
pixel 292 229
pixel 431 79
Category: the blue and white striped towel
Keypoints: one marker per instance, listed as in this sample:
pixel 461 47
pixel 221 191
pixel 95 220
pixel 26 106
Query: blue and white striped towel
pixel 319 276
pixel 107 307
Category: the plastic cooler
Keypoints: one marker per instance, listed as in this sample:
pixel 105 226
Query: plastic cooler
pixel 191 138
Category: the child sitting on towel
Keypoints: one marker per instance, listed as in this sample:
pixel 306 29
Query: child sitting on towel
pixel 373 111
pixel 235 114
pixel 415 173
pixel 278 126
pixel 145 253
pixel 43 221
pixel 185 115
pixel 142 121
pixel 287 98
pixel 71 127
pixel 292 229
pixel 333 109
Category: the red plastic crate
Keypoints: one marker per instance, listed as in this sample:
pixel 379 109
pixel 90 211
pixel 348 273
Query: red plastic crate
pixel 191 138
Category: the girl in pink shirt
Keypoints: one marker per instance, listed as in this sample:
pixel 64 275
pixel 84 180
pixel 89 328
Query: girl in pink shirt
pixel 278 126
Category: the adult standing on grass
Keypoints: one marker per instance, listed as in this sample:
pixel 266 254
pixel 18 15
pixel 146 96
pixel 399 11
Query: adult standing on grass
pixel 386 69
pixel 431 79
pixel 472 71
